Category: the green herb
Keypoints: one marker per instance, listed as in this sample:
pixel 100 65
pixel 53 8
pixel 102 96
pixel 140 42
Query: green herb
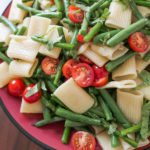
pixel 34 90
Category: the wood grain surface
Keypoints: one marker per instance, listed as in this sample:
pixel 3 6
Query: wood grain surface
pixel 11 138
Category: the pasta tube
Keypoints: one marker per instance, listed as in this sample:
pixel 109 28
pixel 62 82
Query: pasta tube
pixel 126 71
pixel 127 100
pixel 21 68
pixel 22 47
pixel 78 103
pixel 16 14
pixel 118 17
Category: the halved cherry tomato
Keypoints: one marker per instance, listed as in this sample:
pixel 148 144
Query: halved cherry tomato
pixel 83 74
pixel 49 65
pixel 1 61
pixel 33 98
pixel 75 14
pixel 81 37
pixel 138 42
pixel 84 59
pixel 101 75
pixel 83 141
pixel 67 67
pixel 16 87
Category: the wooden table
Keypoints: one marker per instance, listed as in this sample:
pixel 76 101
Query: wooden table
pixel 11 138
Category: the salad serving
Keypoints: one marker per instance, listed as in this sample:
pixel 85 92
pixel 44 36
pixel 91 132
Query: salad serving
pixel 82 62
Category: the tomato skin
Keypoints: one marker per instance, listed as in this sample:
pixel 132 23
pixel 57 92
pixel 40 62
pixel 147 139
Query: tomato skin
pixel 67 67
pixel 83 74
pixel 33 98
pixel 101 76
pixel 73 16
pixel 16 87
pixel 49 65
pixel 84 59
pixel 82 140
pixel 138 42
pixel 80 37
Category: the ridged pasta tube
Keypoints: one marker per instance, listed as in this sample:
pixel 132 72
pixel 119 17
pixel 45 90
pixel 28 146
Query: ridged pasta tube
pixel 130 103
pixel 16 14
pixel 22 68
pixel 118 18
pixel 123 84
pixel 111 53
pixel 22 47
pixel 38 25
pixel 4 33
pixel 31 108
pixel 126 71
pixel 5 76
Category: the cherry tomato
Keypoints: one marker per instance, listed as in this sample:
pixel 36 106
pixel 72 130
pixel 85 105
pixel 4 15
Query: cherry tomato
pixel 1 61
pixel 67 67
pixel 33 98
pixel 81 37
pixel 138 42
pixel 84 59
pixel 101 75
pixel 49 65
pixel 83 141
pixel 16 87
pixel 75 14
pixel 83 74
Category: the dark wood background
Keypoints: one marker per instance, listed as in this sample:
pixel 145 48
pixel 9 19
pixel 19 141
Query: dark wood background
pixel 11 138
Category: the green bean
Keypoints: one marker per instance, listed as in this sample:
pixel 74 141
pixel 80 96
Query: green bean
pixel 132 129
pixel 85 1
pixel 9 24
pixel 58 44
pixel 74 41
pixel 97 112
pixel 86 19
pixel 105 4
pixel 39 70
pixel 46 113
pixel 61 33
pixel 115 109
pixel 51 86
pixel 106 110
pixel 5 58
pixel 82 129
pixel 26 81
pixel 95 29
pixel 24 1
pixel 112 65
pixel 126 139
pixel 114 140
pixel 47 103
pixel 66 5
pixel 3 49
pixel 69 22
pixel 22 30
pixel 59 5
pixel 69 123
pixel 29 9
pixel 146 32
pixel 59 72
pixel 147 56
pixel 66 135
pixel 55 99
pixel 135 10
pixel 145 121
pixel 143 3
pixel 137 137
pixel 101 37
pixel 36 4
pixel 50 14
pixel 46 122
pixel 77 117
pixel 125 33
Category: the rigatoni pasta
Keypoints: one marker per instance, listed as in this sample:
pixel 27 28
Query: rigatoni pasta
pixel 22 68
pixel 22 47
pixel 127 100
pixel 126 71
